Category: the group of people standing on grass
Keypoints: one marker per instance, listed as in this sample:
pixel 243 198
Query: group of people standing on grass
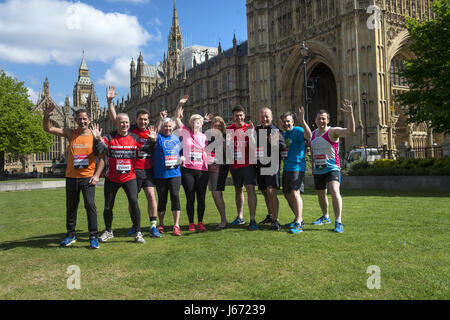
pixel 198 155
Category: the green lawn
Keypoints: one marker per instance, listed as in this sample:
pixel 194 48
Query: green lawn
pixel 404 234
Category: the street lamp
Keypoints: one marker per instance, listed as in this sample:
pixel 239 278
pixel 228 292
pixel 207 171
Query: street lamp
pixel 304 51
pixel 364 101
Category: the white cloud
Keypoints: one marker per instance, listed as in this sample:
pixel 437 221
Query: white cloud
pixel 43 31
pixel 33 95
pixel 118 75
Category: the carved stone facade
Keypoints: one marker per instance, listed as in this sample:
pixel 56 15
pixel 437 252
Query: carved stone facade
pixel 352 44
pixel 215 80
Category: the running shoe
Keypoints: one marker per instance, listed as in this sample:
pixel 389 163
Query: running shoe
pixel 132 232
pixel 322 220
pixel 176 231
pixel 191 227
pixel 275 226
pixel 237 221
pixel 268 219
pixel 139 238
pixel 160 228
pixel 297 228
pixel 201 227
pixel 338 227
pixel 292 224
pixel 68 241
pixel 253 225
pixel 154 233
pixel 93 243
pixel 106 236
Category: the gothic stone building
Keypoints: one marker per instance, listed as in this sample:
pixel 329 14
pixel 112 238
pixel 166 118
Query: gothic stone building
pixel 354 47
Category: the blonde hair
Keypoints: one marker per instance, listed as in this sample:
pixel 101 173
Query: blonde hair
pixel 221 121
pixel 195 117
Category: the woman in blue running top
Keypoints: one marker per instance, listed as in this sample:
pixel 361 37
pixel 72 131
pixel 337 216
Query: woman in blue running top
pixel 166 170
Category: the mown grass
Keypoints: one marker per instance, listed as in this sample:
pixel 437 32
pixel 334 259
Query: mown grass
pixel 405 234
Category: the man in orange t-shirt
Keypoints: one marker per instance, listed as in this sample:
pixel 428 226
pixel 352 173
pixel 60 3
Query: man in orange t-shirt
pixel 82 173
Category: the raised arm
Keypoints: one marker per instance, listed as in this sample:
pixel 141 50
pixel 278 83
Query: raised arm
pixel 179 111
pixel 162 115
pixel 48 127
pixel 338 132
pixel 303 124
pixel 110 95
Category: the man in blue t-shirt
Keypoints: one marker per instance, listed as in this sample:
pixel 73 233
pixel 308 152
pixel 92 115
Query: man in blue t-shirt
pixel 294 164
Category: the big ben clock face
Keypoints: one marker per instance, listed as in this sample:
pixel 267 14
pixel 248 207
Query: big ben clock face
pixel 84 97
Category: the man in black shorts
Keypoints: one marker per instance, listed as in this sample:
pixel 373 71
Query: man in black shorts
pixel 239 136
pixel 268 164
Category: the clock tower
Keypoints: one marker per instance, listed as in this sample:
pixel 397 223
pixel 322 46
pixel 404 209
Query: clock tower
pixel 84 86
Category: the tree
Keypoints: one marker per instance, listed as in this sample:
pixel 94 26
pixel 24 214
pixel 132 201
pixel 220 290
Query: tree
pixel 429 74
pixel 21 128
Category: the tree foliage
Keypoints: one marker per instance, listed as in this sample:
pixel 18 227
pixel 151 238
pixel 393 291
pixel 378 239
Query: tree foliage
pixel 21 129
pixel 429 74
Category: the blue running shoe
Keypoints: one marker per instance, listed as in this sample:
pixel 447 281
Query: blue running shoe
pixel 68 241
pixel 296 229
pixel 253 225
pixel 237 221
pixel 93 243
pixel 292 224
pixel 154 233
pixel 322 220
pixel 338 227
pixel 132 232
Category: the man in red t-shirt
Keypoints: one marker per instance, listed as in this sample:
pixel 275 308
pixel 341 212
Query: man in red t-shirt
pixel 143 165
pixel 240 136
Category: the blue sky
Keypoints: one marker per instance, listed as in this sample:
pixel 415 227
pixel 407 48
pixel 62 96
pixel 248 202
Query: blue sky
pixel 40 38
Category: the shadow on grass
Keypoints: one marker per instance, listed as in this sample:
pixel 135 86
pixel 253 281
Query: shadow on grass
pixel 51 241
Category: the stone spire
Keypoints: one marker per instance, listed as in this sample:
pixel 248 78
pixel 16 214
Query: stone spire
pixel 46 88
pixel 83 65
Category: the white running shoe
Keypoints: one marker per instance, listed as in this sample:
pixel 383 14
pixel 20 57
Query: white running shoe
pixel 106 236
pixel 139 238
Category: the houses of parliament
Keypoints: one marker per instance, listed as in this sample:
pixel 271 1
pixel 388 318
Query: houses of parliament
pixel 356 49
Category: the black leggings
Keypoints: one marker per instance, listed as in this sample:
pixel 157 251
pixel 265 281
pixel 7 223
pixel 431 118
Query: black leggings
pixel 110 190
pixel 73 188
pixel 163 187
pixel 195 183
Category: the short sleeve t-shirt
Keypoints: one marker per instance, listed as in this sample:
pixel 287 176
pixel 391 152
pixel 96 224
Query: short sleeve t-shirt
pixel 144 159
pixel 294 154
pixel 166 157
pixel 194 149
pixel 241 146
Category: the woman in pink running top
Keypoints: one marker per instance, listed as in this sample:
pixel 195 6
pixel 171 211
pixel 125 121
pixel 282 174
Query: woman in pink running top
pixel 325 162
pixel 194 171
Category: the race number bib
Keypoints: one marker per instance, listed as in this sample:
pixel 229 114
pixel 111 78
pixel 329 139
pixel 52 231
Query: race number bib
pixel 123 166
pixel 320 161
pixel 80 161
pixel 171 161
pixel 237 155
pixel 195 155
pixel 284 153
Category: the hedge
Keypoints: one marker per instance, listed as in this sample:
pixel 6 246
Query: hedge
pixel 402 167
